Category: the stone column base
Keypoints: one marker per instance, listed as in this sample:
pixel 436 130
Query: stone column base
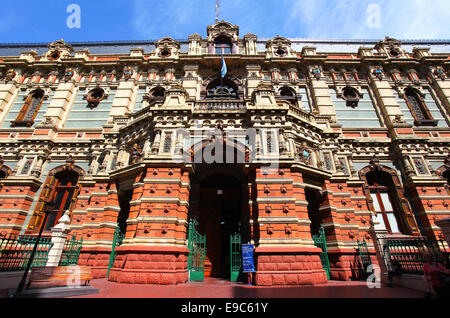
pixel 150 265
pixel 346 264
pixel 97 258
pixel 289 266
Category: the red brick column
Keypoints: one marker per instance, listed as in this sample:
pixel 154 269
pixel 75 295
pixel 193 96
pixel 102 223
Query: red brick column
pixel 286 254
pixel 431 203
pixel 95 219
pixel 346 218
pixel 15 204
pixel 154 249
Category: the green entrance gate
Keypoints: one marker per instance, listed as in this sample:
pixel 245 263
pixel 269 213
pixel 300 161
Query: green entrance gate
pixel 321 242
pixel 117 241
pixel 235 257
pixel 197 253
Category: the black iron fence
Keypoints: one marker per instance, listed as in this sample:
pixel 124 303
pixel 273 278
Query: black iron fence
pixel 411 253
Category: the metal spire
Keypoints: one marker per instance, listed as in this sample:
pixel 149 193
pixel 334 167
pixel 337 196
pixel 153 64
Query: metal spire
pixel 217 10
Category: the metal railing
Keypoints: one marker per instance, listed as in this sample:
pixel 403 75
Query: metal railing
pixel 411 253
pixel 15 252
pixel 212 105
pixel 71 252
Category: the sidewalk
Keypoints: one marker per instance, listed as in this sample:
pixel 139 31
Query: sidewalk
pixel 216 288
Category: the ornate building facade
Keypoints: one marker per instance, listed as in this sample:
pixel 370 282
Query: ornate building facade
pixel 325 134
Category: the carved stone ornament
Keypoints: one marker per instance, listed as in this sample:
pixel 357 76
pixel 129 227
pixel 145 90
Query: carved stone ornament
pixel 10 74
pixel 378 72
pixel 68 74
pixel 439 72
pixel 60 45
pixel 128 72
pixel 375 163
pixel 317 73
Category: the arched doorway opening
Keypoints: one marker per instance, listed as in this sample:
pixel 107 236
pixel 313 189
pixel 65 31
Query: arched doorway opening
pixel 219 199
pixel 220 216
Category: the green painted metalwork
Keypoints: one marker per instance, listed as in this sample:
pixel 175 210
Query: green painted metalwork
pixel 411 252
pixel 117 241
pixel 197 253
pixel 363 250
pixel 15 252
pixel 321 242
pixel 235 257
pixel 71 252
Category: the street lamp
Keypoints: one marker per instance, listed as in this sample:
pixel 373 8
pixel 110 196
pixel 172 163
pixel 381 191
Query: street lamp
pixel 48 208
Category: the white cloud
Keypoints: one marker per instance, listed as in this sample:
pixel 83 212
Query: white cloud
pixel 412 19
pixel 156 19
pixel 322 19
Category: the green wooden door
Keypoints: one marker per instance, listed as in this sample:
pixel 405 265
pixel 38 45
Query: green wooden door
pixel 197 253
pixel 235 256
pixel 321 242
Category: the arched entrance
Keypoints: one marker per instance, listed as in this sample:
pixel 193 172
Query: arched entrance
pixel 219 201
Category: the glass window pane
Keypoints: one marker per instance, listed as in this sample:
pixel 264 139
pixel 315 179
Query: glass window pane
pixel 381 220
pixel 58 200
pixel 386 202
pixel 68 200
pixel 376 204
pixel 393 223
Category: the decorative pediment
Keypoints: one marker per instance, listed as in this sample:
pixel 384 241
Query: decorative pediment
pixel 223 28
pixel 58 50
pixel 390 47
pixel 61 45
pixel 167 48
pixel 279 47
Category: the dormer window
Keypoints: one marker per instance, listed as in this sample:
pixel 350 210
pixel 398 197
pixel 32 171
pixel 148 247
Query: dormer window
pixel 165 53
pixel 54 55
pixel 394 52
pixel 280 52
pixel 223 45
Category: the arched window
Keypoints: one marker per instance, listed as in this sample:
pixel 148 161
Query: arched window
pixel 384 201
pixel 287 93
pixel 223 45
pixel 418 108
pixel 30 109
pixel 64 192
pixel 61 188
pixel 158 92
pixel 222 89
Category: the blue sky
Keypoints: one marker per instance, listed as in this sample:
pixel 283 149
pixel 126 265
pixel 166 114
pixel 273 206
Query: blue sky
pixel 101 20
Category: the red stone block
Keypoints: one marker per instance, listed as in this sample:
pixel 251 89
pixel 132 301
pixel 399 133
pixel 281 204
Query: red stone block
pixel 264 280
pixel 278 280
pixel 283 266
pixel 291 279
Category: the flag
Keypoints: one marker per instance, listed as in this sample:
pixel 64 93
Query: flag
pixel 224 70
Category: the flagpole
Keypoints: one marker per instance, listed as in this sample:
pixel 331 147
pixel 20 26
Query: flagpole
pixel 221 76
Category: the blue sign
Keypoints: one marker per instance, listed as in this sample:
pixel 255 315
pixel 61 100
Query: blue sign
pixel 248 263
